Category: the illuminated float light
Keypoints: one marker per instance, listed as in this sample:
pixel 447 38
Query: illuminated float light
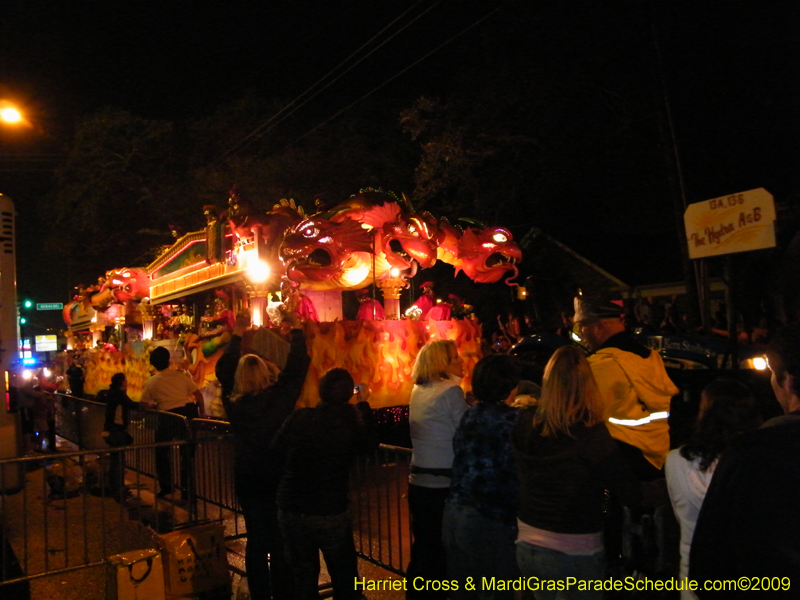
pixel 46 372
pixel 27 373
pixel 500 238
pixel 355 276
pixel 394 272
pixel 643 421
pixel 258 271
pixel 759 363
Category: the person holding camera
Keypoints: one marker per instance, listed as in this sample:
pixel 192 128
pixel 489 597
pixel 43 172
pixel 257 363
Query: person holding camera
pixel 319 446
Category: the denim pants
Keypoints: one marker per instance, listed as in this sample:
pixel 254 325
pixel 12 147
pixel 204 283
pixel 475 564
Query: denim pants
pixel 268 573
pixel 478 547
pixel 544 563
pixel 305 536
pixel 428 557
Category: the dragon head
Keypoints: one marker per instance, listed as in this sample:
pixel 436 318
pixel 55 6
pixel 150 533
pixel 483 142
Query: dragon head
pixel 485 255
pixel 400 237
pixel 274 225
pixel 128 284
pixel 325 255
pixel 408 238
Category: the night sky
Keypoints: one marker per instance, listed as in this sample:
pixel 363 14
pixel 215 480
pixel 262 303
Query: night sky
pixel 728 70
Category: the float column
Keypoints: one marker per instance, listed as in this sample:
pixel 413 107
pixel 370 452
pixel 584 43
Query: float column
pixel 390 288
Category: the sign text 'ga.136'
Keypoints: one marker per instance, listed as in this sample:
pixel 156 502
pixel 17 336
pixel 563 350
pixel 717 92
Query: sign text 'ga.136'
pixel 734 223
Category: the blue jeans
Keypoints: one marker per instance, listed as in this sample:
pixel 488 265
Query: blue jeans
pixel 478 547
pixel 268 573
pixel 305 536
pixel 535 561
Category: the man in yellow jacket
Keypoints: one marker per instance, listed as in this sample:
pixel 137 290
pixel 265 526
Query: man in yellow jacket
pixel 634 384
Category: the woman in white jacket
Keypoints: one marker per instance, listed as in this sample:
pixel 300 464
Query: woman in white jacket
pixel 435 410
pixel 727 408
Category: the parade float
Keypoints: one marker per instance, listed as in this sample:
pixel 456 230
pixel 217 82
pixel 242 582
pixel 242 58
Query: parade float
pixel 243 261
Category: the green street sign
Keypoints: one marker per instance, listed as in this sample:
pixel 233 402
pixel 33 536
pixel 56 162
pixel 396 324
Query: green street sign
pixel 50 306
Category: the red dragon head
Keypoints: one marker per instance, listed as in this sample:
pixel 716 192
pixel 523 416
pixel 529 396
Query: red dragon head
pixel 485 255
pixel 128 284
pixel 409 237
pixel 323 255
pixel 274 225
pixel 401 237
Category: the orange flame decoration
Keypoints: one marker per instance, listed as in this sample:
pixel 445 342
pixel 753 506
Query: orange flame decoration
pixel 102 364
pixel 378 353
pixel 382 354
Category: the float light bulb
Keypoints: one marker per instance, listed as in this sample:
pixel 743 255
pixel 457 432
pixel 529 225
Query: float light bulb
pixel 258 272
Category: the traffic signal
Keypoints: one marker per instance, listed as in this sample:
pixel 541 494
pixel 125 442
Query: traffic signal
pixel 22 320
pixel 27 303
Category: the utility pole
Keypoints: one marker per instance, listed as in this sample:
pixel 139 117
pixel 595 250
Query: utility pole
pixel 695 273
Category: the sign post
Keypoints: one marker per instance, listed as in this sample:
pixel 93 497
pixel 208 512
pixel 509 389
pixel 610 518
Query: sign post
pixel 726 225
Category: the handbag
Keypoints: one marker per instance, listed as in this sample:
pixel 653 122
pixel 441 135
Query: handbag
pixel 135 575
pixel 196 559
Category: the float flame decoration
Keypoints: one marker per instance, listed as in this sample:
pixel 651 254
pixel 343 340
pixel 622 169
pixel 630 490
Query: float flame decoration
pixel 382 354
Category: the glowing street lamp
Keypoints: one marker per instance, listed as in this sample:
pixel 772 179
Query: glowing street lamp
pixel 10 115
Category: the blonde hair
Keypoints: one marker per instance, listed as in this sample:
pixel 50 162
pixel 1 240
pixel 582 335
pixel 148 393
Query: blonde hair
pixel 253 374
pixel 433 361
pixel 570 395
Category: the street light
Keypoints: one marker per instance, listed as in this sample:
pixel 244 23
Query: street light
pixel 10 115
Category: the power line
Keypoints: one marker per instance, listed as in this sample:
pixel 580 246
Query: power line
pixel 393 77
pixel 262 129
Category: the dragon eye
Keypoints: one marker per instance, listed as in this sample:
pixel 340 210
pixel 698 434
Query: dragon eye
pixel 310 232
pixel 412 230
pixel 500 238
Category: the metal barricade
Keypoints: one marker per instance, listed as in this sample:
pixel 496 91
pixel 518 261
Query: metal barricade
pixel 381 524
pixel 72 513
pixel 80 421
pixel 56 530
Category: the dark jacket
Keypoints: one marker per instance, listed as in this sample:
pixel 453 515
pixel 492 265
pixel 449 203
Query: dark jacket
pixel 749 524
pixel 319 445
pixel 484 470
pixel 225 369
pixel 562 479
pixel 256 419
pixel 114 399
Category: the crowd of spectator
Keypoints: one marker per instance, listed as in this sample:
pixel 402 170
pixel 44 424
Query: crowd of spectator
pixel 600 425
pixel 515 479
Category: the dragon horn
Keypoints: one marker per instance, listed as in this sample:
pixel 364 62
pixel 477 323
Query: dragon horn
pixel 475 222
pixel 406 201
